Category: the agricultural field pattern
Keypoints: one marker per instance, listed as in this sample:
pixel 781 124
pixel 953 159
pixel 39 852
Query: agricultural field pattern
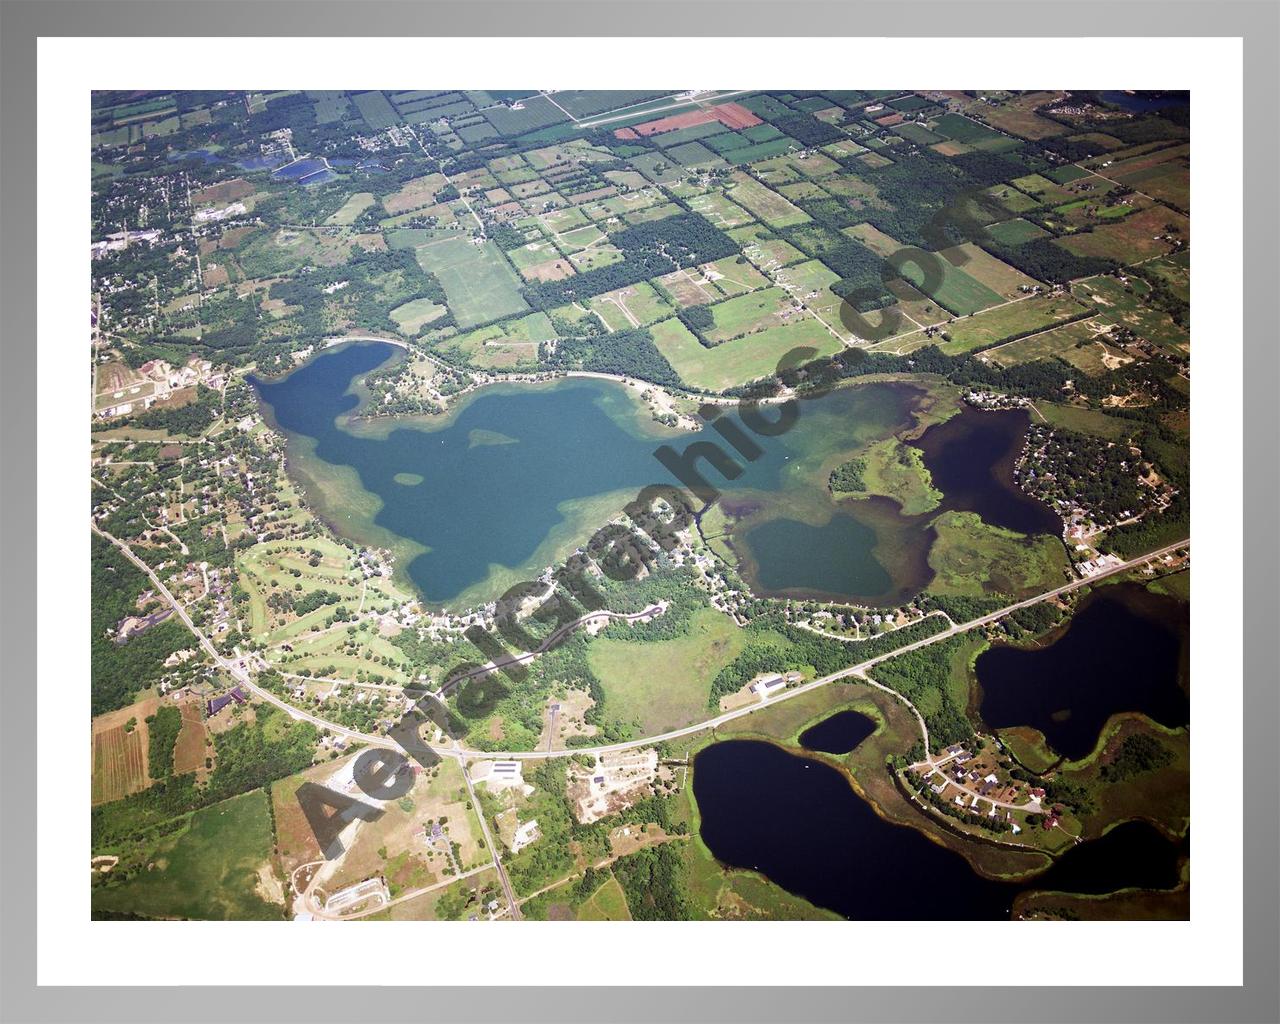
pixel 640 505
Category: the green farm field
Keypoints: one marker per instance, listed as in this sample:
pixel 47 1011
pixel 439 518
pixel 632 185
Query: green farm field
pixel 748 314
pixel 477 280
pixel 957 291
pixel 355 205
pixel 763 202
pixel 663 685
pixel 995 325
pixel 987 270
pixel 1016 231
pixel 217 868
pixel 738 361
pixel 416 314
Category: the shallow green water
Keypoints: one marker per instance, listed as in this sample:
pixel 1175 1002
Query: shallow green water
pixel 519 472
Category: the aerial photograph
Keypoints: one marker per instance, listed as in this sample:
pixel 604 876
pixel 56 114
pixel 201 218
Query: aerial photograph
pixel 639 505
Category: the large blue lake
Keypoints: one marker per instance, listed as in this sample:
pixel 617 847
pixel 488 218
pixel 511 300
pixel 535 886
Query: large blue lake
pixel 518 475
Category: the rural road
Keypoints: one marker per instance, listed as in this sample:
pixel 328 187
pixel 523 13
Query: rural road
pixel 465 753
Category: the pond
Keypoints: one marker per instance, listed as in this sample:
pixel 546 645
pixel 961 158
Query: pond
pixel 799 822
pixel 301 170
pixel 838 733
pixel 1125 649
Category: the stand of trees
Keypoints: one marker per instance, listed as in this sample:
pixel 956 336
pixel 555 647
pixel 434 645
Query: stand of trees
pixel 1138 754
pixel 922 677
pixel 190 420
pixel 162 736
pixel 625 353
pixel 118 671
pixel 652 880
pixel 847 478
pixel 808 130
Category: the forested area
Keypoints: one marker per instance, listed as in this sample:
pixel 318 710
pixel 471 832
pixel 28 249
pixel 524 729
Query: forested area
pixel 624 353
pixel 162 735
pixel 808 130
pixel 653 882
pixel 764 654
pixel 190 420
pixel 118 671
pixel 923 676
pixel 1138 754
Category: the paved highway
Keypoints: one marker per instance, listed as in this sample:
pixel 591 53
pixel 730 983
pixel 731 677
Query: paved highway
pixel 238 671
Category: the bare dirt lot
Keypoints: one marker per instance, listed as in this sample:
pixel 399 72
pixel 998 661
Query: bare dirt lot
pixel 569 720
pixel 616 782
pixel 189 752
pixel 221 193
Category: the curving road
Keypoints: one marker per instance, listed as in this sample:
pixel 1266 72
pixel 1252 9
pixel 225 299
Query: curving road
pixel 241 674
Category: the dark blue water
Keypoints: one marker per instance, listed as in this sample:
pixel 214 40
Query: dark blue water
pixel 971 459
pixel 839 733
pixel 1124 650
pixel 299 169
pixel 800 823
pixel 1145 102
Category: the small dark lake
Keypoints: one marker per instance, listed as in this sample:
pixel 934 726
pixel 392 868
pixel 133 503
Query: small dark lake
pixel 839 733
pixel 971 458
pixel 793 557
pixel 1125 649
pixel 1144 102
pixel 801 824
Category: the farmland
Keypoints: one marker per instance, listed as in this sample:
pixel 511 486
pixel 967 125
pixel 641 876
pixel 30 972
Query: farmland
pixel 377 374
pixel 661 685
pixel 477 280
pixel 1083 344
pixel 743 359
pixel 120 751
pixel 992 327
pixel 956 290
pixel 216 868
pixel 1136 237
pixel 766 204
